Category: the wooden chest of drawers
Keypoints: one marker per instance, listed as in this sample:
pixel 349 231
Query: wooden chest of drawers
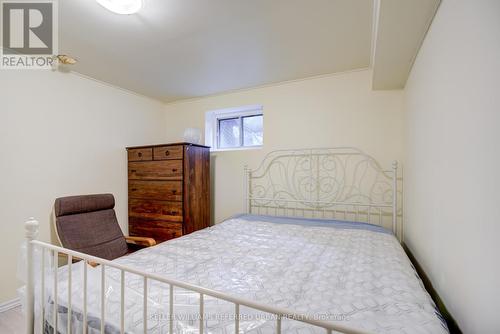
pixel 168 190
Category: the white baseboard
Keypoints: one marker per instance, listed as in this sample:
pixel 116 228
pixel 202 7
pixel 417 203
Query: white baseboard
pixel 10 305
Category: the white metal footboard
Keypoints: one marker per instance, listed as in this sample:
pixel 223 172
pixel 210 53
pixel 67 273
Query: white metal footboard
pixel 171 284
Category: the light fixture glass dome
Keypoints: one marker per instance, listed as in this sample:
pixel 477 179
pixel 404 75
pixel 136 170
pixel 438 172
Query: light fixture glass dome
pixel 121 6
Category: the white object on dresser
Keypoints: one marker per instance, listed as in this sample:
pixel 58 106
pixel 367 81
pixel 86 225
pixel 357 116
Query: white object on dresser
pixel 192 135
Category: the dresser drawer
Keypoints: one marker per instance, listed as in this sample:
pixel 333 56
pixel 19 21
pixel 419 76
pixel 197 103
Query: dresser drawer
pixel 159 190
pixel 155 170
pixel 170 211
pixel 157 229
pixel 168 152
pixel 140 154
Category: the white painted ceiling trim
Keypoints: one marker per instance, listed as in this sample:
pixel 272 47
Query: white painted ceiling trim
pixel 107 84
pixel 375 19
pixel 277 84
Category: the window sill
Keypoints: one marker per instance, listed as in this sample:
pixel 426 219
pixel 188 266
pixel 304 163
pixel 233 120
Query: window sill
pixel 245 148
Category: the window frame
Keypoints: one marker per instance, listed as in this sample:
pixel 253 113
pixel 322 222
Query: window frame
pixel 212 126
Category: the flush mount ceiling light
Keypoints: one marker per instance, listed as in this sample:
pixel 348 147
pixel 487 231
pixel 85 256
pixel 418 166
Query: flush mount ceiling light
pixel 121 6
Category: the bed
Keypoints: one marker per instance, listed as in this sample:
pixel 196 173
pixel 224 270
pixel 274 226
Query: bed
pixel 318 251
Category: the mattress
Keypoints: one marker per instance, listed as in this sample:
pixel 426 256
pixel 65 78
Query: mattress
pixel 351 273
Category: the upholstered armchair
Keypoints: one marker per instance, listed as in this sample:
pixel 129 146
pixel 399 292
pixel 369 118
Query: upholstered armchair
pixel 88 224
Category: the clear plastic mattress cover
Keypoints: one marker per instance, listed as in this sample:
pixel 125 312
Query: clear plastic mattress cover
pixel 358 277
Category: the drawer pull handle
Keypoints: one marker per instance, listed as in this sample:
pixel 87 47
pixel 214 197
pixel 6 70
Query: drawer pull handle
pixel 167 153
pixel 133 171
pixel 134 189
pixel 174 170
pixel 174 191
pixel 139 154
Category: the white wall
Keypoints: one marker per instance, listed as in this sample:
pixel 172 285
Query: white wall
pixel 453 161
pixel 61 134
pixel 335 110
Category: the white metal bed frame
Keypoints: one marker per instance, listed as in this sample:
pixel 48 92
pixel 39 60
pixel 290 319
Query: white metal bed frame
pixel 332 183
pixel 340 183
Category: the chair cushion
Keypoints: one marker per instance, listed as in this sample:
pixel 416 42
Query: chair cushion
pixel 86 203
pixel 88 224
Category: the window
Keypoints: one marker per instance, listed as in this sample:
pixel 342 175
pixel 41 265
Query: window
pixel 235 128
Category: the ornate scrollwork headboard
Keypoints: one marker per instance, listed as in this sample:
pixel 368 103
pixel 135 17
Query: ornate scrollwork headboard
pixel 330 183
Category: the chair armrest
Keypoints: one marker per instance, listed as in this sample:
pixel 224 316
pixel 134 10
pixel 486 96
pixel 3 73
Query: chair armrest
pixel 141 241
pixel 77 259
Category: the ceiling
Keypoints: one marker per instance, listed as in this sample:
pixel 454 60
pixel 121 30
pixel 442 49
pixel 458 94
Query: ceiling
pixel 178 49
